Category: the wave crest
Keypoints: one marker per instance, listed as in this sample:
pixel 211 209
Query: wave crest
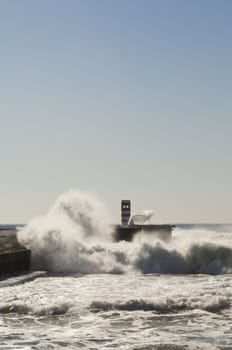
pixel 24 309
pixel 163 307
pixel 205 258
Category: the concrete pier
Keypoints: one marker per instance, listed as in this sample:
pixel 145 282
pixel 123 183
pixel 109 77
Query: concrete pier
pixel 13 256
pixel 139 223
pixel 127 233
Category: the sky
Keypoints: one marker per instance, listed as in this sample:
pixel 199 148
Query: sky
pixel 126 99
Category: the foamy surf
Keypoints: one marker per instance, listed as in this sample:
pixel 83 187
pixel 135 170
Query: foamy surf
pixel 76 237
pixel 94 311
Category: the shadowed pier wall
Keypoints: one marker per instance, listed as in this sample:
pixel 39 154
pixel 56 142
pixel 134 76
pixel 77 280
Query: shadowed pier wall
pixel 13 256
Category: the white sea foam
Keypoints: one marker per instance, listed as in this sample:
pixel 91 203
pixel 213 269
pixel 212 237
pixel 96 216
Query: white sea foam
pixel 126 311
pixel 75 236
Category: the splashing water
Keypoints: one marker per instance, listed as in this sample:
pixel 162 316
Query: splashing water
pixel 62 240
pixel 76 236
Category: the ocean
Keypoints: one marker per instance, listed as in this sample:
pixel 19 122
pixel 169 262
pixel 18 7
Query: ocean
pixel 98 294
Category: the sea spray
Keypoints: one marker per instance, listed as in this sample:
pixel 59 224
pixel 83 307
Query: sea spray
pixel 63 240
pixel 76 237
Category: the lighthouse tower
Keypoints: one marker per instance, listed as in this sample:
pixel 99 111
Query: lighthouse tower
pixel 125 211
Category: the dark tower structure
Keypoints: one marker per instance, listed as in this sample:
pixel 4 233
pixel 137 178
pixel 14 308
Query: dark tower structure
pixel 125 211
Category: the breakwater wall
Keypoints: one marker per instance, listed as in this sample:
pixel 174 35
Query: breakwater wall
pixel 13 256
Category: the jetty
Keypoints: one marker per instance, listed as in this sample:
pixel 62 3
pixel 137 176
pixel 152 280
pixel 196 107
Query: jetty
pixel 132 224
pixel 14 257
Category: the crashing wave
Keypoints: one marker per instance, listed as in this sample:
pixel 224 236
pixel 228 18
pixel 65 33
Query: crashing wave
pixel 75 236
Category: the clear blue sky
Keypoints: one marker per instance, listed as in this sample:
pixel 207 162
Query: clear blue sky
pixel 124 98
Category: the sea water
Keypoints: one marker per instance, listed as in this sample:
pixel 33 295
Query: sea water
pixel 98 294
